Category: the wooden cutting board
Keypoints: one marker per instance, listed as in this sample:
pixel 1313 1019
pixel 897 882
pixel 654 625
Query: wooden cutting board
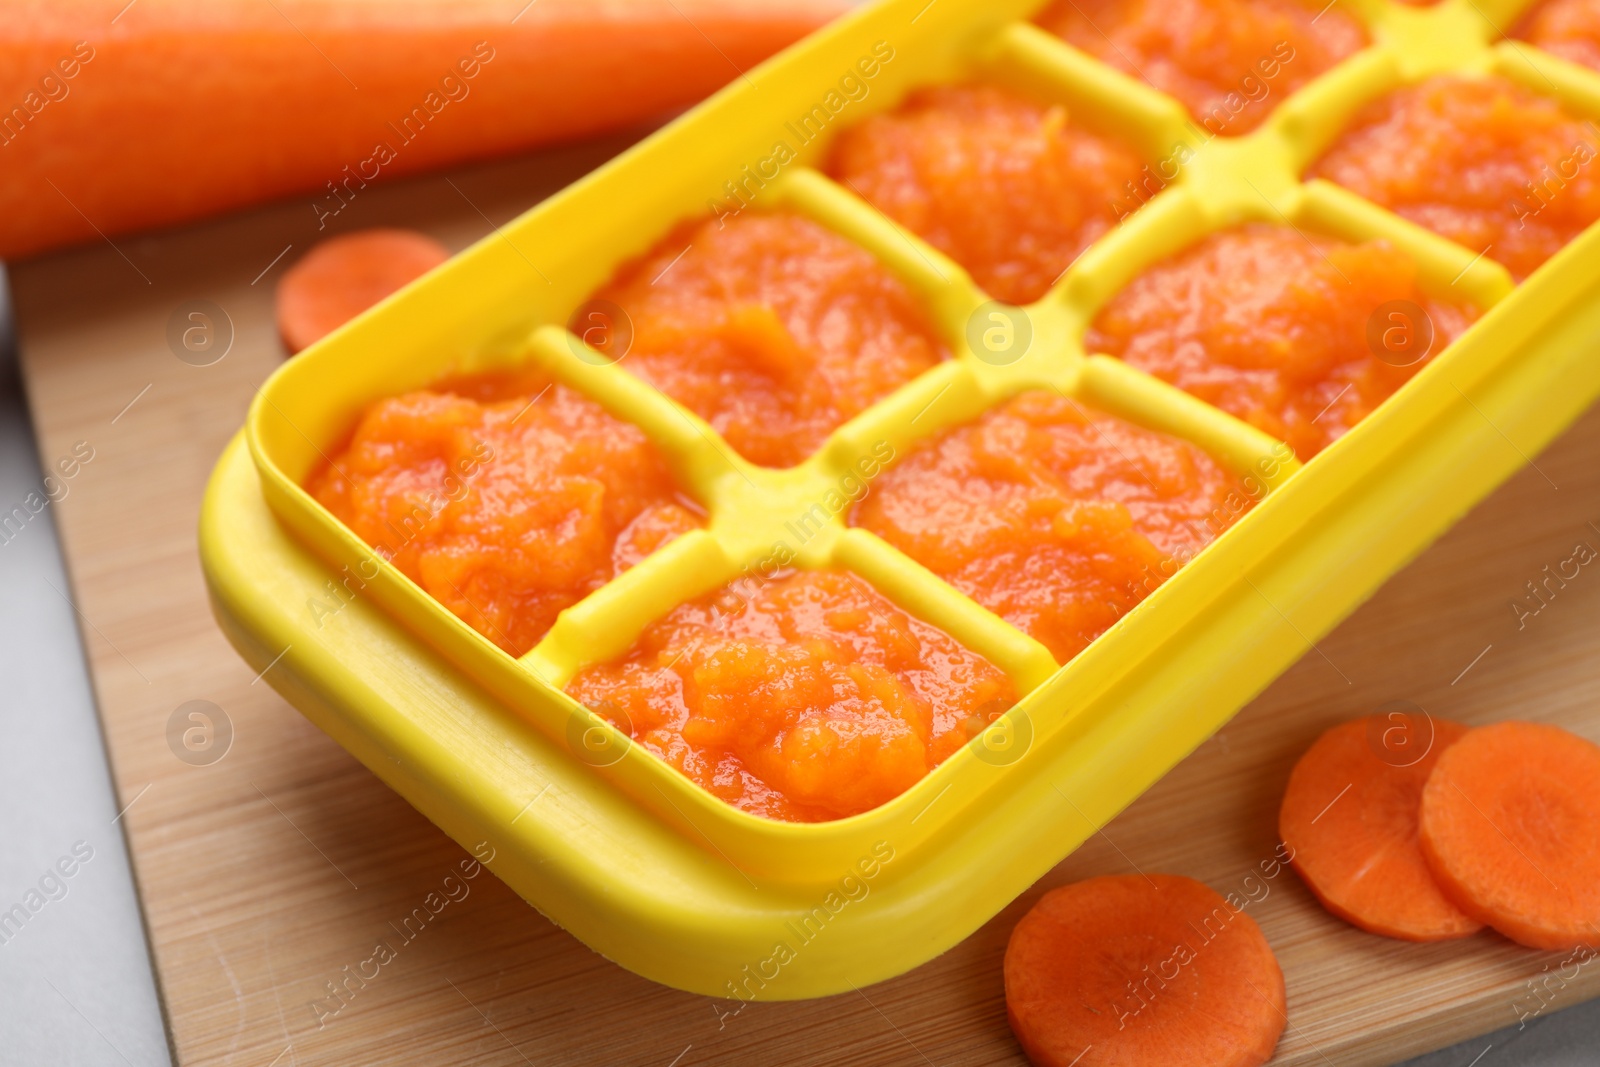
pixel 267 872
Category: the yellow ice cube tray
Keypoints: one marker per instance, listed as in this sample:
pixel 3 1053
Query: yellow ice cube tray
pixel 642 864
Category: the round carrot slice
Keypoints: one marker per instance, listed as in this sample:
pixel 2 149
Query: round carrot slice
pixel 1511 829
pixel 1349 819
pixel 1128 970
pixel 343 276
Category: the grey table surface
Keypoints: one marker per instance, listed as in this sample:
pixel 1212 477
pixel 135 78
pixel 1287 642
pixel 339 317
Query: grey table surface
pixel 76 984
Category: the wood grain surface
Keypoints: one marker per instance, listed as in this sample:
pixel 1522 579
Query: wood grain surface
pixel 269 871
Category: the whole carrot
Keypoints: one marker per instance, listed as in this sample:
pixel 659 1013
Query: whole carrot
pixel 118 116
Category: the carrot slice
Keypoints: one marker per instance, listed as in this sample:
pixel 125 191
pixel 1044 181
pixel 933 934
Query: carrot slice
pixel 343 276
pixel 1126 970
pixel 1349 819
pixel 1511 829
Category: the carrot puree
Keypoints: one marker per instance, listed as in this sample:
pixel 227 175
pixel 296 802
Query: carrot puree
pixel 1482 161
pixel 1055 519
pixel 504 497
pixel 1230 62
pixel 805 698
pixel 1566 28
pixel 1273 325
pixel 771 328
pixel 1003 185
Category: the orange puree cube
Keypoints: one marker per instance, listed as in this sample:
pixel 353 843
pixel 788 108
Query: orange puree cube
pixel 1054 518
pixel 1566 28
pixel 804 697
pixel 771 328
pixel 1299 335
pixel 1005 186
pixel 1483 161
pixel 506 498
pixel 1230 62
